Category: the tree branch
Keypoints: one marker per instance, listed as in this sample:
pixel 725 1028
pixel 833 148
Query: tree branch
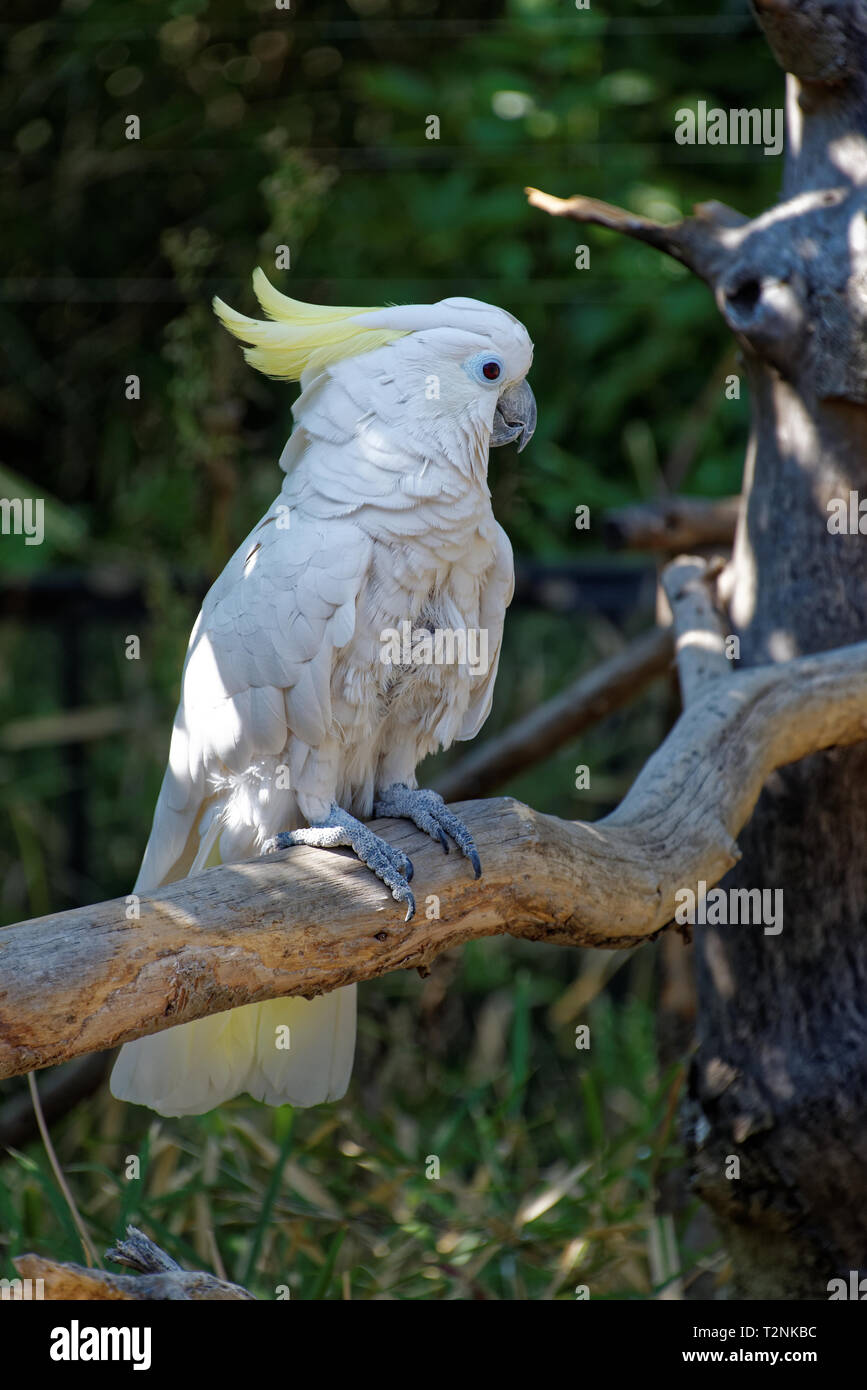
pixel 689 585
pixel 700 242
pixel 764 277
pixel 672 524
pixel 305 921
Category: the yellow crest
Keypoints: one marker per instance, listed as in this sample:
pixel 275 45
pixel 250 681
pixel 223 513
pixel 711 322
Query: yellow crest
pixel 297 335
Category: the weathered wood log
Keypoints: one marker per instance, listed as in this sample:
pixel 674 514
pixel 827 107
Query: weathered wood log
pixel 689 586
pixel 306 921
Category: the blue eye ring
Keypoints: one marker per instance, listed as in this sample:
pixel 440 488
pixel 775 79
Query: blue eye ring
pixel 487 368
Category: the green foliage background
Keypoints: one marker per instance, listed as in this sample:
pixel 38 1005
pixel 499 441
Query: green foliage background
pixel 305 128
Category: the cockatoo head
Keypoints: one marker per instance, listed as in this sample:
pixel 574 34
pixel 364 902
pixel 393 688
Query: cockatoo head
pixel 456 366
pixel 466 360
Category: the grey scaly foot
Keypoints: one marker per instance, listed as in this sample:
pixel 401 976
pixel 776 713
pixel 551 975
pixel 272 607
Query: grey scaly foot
pixel 428 811
pixel 340 829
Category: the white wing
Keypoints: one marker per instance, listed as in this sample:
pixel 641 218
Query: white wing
pixel 496 597
pixel 258 670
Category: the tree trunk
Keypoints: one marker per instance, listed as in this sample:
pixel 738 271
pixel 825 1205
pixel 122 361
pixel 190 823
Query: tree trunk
pixel 779 1081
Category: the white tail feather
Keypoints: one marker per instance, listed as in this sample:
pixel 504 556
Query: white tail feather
pixel 191 1069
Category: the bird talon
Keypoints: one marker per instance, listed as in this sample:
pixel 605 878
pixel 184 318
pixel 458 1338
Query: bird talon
pixel 341 830
pixel 428 811
pixel 402 894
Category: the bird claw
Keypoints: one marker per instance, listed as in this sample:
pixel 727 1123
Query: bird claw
pixel 428 811
pixel 340 830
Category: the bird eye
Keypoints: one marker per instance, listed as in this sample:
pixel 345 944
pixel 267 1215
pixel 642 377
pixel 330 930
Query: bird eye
pixel 485 368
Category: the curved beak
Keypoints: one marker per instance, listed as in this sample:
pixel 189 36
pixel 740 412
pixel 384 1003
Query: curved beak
pixel 514 417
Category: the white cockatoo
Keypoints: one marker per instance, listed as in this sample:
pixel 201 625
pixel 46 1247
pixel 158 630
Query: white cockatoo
pixel 302 709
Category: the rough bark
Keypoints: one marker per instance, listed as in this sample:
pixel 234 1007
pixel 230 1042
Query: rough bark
pixel 780 1077
pixel 779 1081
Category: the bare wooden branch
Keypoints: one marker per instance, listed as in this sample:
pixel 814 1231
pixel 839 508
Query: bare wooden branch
pixel 672 524
pixel 593 696
pixel 159 1277
pixel 701 656
pixel 761 287
pixel 306 922
pixel 761 274
pixel 700 242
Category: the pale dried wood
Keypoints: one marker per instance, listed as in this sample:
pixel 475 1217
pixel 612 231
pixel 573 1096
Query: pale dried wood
pixel 306 921
pixel 701 242
pixel 690 587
